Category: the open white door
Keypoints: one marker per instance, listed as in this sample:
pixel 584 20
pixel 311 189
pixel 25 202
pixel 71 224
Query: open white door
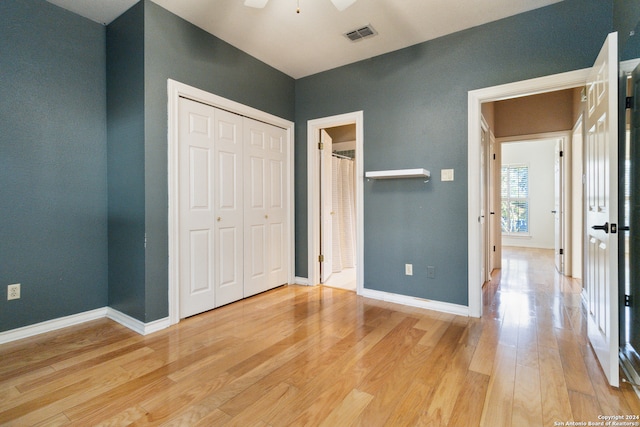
pixel 326 207
pixel 484 257
pixel 601 161
pixel 558 207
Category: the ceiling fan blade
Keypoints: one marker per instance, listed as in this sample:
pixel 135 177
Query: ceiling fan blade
pixel 342 4
pixel 259 4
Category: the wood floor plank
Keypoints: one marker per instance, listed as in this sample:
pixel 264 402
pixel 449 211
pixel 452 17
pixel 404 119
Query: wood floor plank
pixel 266 406
pixel 348 410
pixel 498 407
pixel 575 371
pixel 555 399
pixel 388 393
pixel 527 402
pixel 467 410
pixel 415 402
pixel 585 408
pixel 449 387
pixel 484 355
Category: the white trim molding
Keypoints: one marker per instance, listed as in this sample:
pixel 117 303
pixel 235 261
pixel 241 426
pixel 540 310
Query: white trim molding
pixel 135 324
pixel 176 90
pixel 52 325
pixel 301 281
pixel 79 318
pixel 535 86
pixel 440 306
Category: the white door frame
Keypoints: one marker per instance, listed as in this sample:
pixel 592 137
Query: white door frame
pixel 313 192
pixel 175 90
pixel 475 251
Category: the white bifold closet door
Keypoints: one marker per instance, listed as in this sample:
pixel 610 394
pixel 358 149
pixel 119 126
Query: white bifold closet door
pixel 265 201
pixel 220 208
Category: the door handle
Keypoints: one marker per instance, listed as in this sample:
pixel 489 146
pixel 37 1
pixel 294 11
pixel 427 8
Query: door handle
pixel 604 227
pixel 554 212
pixel 492 213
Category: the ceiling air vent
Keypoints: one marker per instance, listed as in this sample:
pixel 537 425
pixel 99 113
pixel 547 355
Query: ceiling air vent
pixel 361 33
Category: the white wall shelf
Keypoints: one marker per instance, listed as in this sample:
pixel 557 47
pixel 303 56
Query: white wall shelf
pixel 399 173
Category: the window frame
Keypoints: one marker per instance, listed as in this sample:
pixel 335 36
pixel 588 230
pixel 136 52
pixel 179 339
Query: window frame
pixel 509 199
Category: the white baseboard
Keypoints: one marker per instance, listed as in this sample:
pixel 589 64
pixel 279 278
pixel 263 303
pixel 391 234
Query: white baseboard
pixel 76 319
pixel 135 324
pixel 52 325
pixel 301 281
pixel 444 307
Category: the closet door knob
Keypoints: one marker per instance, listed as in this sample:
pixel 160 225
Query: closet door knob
pixel 219 219
pixel 266 217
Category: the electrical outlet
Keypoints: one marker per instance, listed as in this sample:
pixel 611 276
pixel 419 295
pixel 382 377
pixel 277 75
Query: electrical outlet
pixel 408 269
pixel 13 291
pixel 431 272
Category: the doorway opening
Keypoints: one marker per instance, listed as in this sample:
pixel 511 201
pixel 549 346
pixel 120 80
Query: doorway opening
pixel 539 201
pixel 478 250
pixel 338 207
pixel 335 202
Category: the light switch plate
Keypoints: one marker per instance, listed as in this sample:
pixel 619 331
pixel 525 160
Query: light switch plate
pixel 446 175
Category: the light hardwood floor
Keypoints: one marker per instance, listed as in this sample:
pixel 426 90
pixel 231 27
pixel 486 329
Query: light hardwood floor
pixel 320 356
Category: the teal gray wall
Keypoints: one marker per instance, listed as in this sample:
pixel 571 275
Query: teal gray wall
pixel 125 120
pixel 79 129
pixel 626 20
pixel 415 115
pixel 53 163
pixel 146 46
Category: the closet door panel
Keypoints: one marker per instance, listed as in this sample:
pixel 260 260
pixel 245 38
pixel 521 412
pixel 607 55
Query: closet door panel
pixel 265 202
pixel 255 214
pixel 228 192
pixel 278 201
pixel 195 180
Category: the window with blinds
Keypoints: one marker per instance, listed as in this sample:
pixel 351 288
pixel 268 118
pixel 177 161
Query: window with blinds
pixel 514 190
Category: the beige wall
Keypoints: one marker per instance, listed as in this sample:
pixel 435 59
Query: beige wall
pixel 547 112
pixel 488 112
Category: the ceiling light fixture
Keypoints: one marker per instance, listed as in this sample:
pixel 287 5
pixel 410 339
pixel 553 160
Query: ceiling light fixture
pixel 339 4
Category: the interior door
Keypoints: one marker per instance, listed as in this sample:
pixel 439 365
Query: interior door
pixel 326 207
pixel 634 215
pixel 197 224
pixel 601 160
pixel 484 141
pixel 228 237
pixel 265 196
pixel 558 207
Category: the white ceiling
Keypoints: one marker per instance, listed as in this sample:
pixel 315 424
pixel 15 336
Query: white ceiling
pixel 313 41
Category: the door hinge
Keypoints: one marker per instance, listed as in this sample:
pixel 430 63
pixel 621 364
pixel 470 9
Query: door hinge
pixel 320 146
pixel 627 300
pixel 561 251
pixel 494 248
pixel 321 258
pixel 494 156
pixel 561 153
pixel 628 103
